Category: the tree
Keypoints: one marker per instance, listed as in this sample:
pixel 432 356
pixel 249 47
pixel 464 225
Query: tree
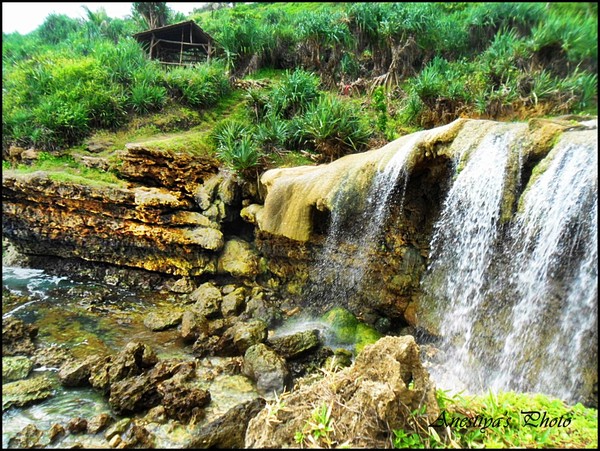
pixel 155 14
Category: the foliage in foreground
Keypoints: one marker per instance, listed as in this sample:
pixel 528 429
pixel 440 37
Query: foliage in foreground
pixel 505 420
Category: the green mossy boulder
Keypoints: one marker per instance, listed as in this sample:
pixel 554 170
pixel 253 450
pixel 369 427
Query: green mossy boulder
pixel 365 335
pixel 343 324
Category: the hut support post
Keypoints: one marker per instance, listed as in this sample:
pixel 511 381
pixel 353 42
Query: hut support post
pixel 181 51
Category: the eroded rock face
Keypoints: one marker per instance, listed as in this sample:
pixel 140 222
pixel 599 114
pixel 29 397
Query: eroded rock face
pixel 385 384
pixel 303 204
pixel 157 222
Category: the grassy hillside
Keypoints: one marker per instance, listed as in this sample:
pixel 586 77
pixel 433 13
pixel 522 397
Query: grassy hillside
pixel 300 82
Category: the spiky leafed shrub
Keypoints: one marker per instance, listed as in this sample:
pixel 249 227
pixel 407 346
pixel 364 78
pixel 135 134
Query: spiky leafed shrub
pixel 123 60
pixel 146 92
pixel 236 145
pixel 294 94
pixel 145 97
pixel 332 127
pixel 272 133
pixel 200 86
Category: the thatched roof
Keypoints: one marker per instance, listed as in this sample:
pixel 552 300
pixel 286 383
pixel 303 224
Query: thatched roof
pixel 187 31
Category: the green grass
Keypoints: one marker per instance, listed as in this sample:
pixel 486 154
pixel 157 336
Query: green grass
pixel 506 420
pixel 65 169
pixel 194 142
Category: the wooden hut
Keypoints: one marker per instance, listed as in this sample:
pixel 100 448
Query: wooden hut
pixel 180 44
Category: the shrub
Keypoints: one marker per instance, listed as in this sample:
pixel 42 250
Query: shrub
pixel 333 128
pixel 272 132
pixel 296 91
pixel 200 86
pixel 236 146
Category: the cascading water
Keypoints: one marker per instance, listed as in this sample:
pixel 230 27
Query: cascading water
pixel 554 253
pixel 462 251
pixel 333 280
pixel 517 305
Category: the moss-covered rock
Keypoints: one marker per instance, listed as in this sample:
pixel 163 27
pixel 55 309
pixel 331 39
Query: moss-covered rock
pixel 238 258
pixel 15 368
pixel 27 391
pixel 365 335
pixel 343 324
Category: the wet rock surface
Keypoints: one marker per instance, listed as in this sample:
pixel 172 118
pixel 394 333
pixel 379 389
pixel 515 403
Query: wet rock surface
pixel 17 337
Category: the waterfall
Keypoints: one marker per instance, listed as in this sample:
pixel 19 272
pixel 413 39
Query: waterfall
pixel 334 278
pixel 554 251
pixel 517 304
pixel 462 250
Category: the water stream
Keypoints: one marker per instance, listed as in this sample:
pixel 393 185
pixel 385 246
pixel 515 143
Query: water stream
pixel 89 318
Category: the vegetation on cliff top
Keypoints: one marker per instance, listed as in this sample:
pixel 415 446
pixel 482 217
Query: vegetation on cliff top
pixel 311 81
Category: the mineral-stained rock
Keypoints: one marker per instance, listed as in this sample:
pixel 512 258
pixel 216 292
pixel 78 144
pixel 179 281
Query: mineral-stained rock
pixel 77 373
pixel 228 431
pixel 133 360
pixel 56 431
pixel 117 428
pixel 239 337
pixel 28 438
pixel 259 308
pixel 233 302
pixel 385 385
pixel 99 423
pixel 267 369
pixel 133 394
pixel 138 437
pixel 157 321
pixel 181 401
pixel 193 325
pixel 182 285
pixel 207 298
pixel 290 346
pixel 77 425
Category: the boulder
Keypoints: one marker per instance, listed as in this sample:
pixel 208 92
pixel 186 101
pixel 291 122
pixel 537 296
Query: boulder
pixel 207 298
pixel 28 437
pixel 182 402
pixel 157 321
pixel 229 430
pixel 267 369
pixel 239 337
pixel 77 373
pixel 293 345
pixel 233 302
pixel 238 258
